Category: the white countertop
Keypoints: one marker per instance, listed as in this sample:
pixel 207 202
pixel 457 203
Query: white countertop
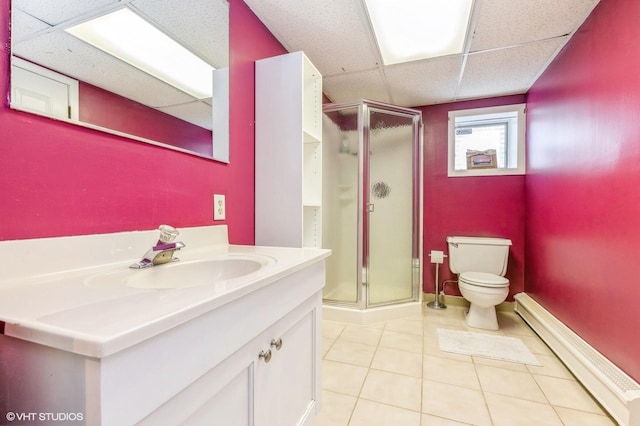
pixel 81 309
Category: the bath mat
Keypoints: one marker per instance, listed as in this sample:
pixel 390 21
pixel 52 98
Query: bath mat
pixel 485 345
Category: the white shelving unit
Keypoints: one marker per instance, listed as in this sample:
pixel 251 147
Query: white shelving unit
pixel 288 167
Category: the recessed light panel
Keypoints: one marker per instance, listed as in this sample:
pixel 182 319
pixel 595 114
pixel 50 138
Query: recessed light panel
pixel 410 30
pixel 130 38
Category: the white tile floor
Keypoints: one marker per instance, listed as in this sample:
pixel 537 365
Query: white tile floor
pixel 393 374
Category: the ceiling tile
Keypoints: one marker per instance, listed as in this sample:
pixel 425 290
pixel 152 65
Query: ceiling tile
pixel 507 71
pixel 348 87
pixel 334 34
pixel 24 25
pixel 56 12
pixel 423 83
pixel 510 22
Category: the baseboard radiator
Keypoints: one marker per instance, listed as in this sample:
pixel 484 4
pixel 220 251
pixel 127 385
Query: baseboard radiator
pixel 618 393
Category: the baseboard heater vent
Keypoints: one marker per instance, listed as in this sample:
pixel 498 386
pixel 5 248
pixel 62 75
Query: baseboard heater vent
pixel 618 393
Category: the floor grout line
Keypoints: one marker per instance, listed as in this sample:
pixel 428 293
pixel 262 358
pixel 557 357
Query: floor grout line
pixel 426 333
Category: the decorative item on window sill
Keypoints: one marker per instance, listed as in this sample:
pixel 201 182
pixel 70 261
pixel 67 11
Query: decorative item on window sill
pixel 481 159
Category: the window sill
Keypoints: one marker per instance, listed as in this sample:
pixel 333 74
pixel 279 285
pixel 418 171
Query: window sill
pixel 486 172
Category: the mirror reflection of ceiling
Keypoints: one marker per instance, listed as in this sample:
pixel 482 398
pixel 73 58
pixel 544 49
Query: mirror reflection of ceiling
pixel 200 25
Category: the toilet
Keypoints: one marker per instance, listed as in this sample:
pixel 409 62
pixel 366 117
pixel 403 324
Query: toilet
pixel 481 264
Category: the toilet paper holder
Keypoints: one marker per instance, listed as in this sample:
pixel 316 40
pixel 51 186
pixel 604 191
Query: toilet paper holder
pixel 437 257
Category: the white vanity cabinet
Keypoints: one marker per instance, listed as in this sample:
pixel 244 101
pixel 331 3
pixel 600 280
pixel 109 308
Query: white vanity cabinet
pixel 258 384
pixel 189 356
pixel 288 154
pixel 272 380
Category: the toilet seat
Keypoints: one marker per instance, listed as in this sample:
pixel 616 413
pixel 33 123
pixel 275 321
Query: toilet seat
pixel 484 279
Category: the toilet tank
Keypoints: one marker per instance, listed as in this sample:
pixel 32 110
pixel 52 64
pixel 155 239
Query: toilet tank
pixel 478 254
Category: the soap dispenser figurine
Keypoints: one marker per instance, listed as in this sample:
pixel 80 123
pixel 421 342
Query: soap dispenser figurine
pixel 164 249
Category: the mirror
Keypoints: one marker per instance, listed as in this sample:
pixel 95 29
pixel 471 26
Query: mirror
pixel 108 94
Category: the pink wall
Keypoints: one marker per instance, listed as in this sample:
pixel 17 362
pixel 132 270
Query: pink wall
pixel 106 109
pixel 487 206
pixel 249 40
pixel 59 179
pixel 583 184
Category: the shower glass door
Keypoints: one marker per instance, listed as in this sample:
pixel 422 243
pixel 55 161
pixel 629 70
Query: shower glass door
pixel 390 240
pixel 370 203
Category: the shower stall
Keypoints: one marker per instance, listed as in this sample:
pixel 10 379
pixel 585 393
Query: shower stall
pixel 372 211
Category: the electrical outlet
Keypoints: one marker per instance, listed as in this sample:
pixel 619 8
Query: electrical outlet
pixel 219 208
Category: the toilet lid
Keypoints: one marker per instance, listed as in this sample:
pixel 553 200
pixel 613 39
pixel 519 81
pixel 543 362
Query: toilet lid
pixel 484 279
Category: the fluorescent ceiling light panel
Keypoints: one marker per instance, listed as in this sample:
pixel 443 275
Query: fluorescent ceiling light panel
pixel 409 30
pixel 128 37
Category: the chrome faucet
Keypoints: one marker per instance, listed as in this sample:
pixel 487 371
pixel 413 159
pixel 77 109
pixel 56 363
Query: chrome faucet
pixel 163 251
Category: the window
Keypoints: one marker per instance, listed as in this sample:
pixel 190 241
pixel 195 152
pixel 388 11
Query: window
pixel 487 141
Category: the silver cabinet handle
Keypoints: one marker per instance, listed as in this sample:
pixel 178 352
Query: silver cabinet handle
pixel 266 356
pixel 276 343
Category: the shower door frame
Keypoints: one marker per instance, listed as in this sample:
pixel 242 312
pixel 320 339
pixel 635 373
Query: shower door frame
pixel 365 107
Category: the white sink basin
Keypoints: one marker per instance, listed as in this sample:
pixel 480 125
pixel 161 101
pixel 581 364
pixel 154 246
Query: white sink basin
pixel 184 274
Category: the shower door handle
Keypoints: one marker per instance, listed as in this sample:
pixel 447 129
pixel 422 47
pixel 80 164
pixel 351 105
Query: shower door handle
pixel 370 207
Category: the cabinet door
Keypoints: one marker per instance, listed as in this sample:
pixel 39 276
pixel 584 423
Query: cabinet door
pixel 285 386
pixel 229 406
pixel 222 397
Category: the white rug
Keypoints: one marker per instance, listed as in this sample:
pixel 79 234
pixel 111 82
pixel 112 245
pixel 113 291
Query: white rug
pixel 485 345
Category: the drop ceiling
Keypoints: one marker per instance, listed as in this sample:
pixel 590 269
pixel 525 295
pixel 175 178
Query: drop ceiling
pixel 509 44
